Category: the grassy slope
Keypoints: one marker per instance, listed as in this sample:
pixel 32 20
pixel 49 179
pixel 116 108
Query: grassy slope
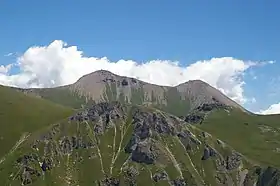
pixel 172 98
pixel 61 95
pixel 21 114
pixel 255 136
pixel 79 169
pixel 232 129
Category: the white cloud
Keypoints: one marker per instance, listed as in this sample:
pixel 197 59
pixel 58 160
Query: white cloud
pixel 5 69
pixel 60 64
pixel 273 109
pixel 9 54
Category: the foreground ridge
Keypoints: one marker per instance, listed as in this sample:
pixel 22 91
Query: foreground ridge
pixel 111 143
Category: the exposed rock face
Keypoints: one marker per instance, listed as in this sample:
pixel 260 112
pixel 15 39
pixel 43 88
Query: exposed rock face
pixel 145 122
pixel 110 181
pixel 198 114
pixel 178 182
pixel 103 85
pixel 230 162
pixel 188 140
pixel 145 152
pixel 194 119
pixel 233 161
pixel 134 143
pixel 207 107
pixel 130 174
pixel 269 177
pixel 208 152
pixel 160 176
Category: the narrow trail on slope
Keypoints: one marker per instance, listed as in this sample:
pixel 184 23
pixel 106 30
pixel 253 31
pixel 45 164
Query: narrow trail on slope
pixel 174 161
pixel 98 150
pixel 123 133
pixel 114 149
pixel 192 165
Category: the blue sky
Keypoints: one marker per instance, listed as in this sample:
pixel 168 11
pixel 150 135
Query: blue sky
pixel 185 31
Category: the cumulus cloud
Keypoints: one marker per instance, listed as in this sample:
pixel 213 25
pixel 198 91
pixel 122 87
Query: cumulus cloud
pixel 59 64
pixel 273 109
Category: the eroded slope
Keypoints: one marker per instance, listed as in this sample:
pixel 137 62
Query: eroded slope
pixel 103 85
pixel 116 144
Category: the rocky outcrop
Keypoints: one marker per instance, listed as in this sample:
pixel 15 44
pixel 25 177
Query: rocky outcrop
pixel 188 140
pixel 207 107
pixel 208 152
pixel 131 142
pixel 178 182
pixel 130 175
pixel 109 181
pixel 233 161
pixel 269 177
pixel 145 152
pixel 160 176
pixel 197 115
pixel 194 119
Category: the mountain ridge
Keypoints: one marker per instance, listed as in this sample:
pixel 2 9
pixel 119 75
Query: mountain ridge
pixel 103 85
pixel 212 144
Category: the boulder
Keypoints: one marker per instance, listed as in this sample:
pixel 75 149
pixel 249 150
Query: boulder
pixel 160 176
pixel 145 152
pixel 178 182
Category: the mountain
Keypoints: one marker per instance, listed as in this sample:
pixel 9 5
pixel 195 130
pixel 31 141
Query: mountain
pixel 195 101
pixel 20 115
pixel 123 144
pixel 192 135
pixel 103 85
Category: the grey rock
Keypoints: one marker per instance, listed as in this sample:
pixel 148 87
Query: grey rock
pixel 188 140
pixel 178 182
pixel 145 152
pixel 206 107
pixel 110 181
pixel 194 119
pixel 160 176
pixel 26 177
pixel 124 82
pixel 65 145
pixel 269 177
pixel 109 80
pixel 132 144
pixel 146 122
pixel 26 159
pixel 98 129
pixel 208 152
pixel 233 161
pixel 131 174
pixel 46 165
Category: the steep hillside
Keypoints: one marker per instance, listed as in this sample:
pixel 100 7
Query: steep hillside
pixel 116 144
pixel 256 136
pixel 22 114
pixel 195 102
pixel 105 86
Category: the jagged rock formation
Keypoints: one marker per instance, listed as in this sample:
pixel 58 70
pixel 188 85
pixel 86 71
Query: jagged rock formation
pixel 118 144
